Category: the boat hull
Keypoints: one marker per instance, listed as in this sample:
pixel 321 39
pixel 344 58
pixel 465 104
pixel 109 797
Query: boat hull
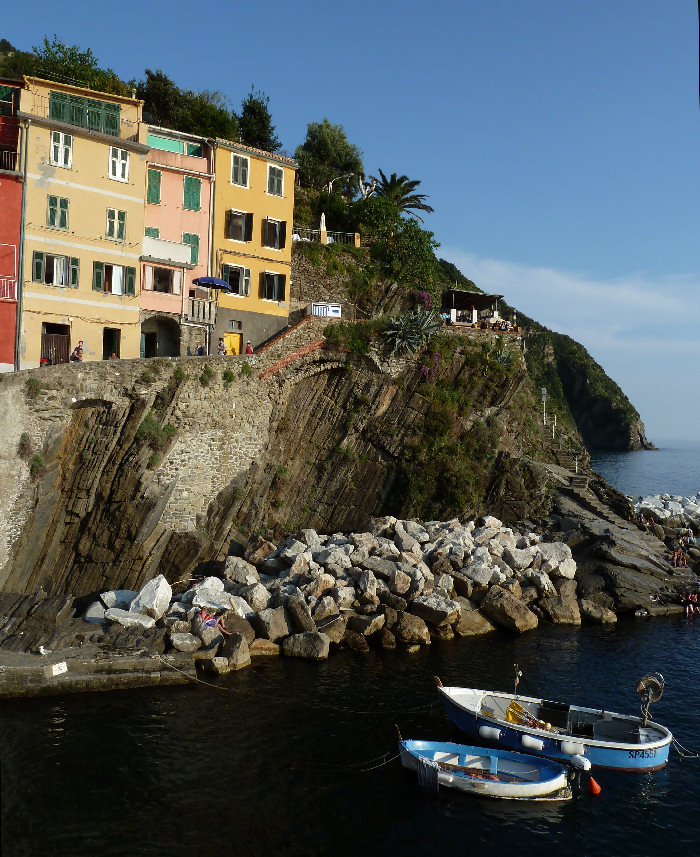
pixel 638 758
pixel 489 773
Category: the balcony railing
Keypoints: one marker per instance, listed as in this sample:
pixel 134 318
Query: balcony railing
pixel 202 311
pixel 301 234
pixel 90 113
pixel 319 236
pixel 8 161
pixel 8 289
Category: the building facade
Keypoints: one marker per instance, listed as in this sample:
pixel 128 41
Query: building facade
pixel 175 314
pixel 252 242
pixel 85 179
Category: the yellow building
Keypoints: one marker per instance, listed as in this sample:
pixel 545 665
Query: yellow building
pixel 251 242
pixel 84 161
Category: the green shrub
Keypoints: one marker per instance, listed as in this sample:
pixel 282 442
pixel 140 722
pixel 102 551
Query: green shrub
pixel 246 369
pixel 37 466
pixel 153 461
pixel 24 447
pixel 206 376
pixel 178 374
pixel 33 387
pixel 228 376
pixel 145 377
pixel 155 435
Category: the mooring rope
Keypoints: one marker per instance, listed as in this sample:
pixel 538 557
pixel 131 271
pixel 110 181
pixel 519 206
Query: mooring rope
pixel 194 678
pixel 683 752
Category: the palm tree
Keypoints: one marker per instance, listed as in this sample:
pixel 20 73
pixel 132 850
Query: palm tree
pixel 400 191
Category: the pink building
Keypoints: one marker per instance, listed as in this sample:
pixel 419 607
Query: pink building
pixel 175 314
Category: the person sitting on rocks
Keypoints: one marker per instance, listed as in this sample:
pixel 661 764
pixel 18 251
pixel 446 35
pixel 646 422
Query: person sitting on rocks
pixel 677 557
pixel 693 607
pixel 210 620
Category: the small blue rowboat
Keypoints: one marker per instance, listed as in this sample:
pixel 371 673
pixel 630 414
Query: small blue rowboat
pixel 560 731
pixel 489 773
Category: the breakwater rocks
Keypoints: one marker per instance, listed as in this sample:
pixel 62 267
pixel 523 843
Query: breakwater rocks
pixel 401 583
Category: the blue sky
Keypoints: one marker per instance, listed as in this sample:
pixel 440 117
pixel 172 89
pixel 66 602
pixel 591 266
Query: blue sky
pixel 558 142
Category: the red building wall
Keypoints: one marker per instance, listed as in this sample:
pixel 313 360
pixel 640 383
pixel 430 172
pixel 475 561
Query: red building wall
pixel 10 215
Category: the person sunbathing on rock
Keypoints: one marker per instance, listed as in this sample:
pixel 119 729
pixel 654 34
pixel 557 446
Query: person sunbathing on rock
pixel 209 620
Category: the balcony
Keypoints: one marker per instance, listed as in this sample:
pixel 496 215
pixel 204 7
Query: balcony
pixel 201 311
pixel 9 131
pixel 8 289
pixel 321 236
pixel 8 161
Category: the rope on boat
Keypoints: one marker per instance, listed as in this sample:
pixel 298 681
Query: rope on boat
pixel 683 752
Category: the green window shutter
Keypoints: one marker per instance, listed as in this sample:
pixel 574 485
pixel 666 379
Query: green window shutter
pixel 246 282
pixel 152 232
pixel 193 240
pixel 264 280
pixel 74 272
pixel 225 272
pixel 52 211
pixel 153 194
pixel 281 281
pixel 248 228
pixel 192 187
pixel 121 225
pixel 63 213
pixel 130 282
pixel 98 276
pixel 38 267
pixel 282 234
pixel 67 150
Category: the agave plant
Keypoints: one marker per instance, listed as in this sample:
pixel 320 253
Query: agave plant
pixel 412 331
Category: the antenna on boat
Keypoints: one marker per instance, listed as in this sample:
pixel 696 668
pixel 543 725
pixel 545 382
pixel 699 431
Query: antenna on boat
pixel 518 675
pixel 650 688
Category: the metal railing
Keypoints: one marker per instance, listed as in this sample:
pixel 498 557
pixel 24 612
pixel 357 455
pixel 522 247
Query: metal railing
pixel 200 310
pixel 341 237
pixel 8 289
pixel 8 161
pixel 302 234
pixel 88 113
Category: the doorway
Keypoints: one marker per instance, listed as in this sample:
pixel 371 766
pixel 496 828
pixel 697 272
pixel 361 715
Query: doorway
pixel 55 343
pixel 111 342
pixel 233 342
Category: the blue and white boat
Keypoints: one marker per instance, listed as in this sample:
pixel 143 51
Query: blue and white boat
pixel 489 773
pixel 560 731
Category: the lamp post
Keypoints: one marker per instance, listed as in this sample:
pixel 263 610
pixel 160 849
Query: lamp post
pixel 544 406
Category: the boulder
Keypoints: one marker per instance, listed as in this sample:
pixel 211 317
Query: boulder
pixel 479 574
pixel 561 611
pixel 310 538
pixel 507 611
pixel 300 614
pixel 540 580
pixel 410 629
pixel 256 596
pixel 310 645
pixel 236 624
pixel 272 623
pixel 334 627
pixel 472 623
pixel 216 665
pixel 154 599
pixel 436 610
pixel 235 650
pixel 95 613
pixel 518 559
pixel 257 549
pixel 592 612
pixel 119 598
pixel 366 625
pixel 241 607
pixel 129 619
pixel 356 642
pixel 324 608
pixel 185 642
pixel 237 570
pixel 260 648
pixel 214 600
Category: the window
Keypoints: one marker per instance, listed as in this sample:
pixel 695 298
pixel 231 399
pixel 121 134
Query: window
pixel 164 280
pixel 152 232
pixel 239 226
pixel 116 224
pixel 273 286
pixel 153 190
pixel 113 279
pixel 55 270
pixel 239 170
pixel 61 149
pixel 192 187
pixel 193 240
pixel 118 164
pixel 275 180
pixel 274 233
pixel 238 278
pixel 194 149
pixel 57 212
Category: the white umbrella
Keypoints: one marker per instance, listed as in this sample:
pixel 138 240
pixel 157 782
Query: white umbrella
pixel 323 221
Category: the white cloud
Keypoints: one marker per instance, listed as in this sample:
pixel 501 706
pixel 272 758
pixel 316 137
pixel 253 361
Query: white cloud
pixel 645 333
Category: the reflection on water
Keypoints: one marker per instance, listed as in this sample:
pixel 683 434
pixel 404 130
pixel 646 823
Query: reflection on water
pixel 272 762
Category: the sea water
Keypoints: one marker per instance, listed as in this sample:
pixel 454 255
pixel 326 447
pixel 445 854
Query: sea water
pixel 297 758
pixel 673 468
